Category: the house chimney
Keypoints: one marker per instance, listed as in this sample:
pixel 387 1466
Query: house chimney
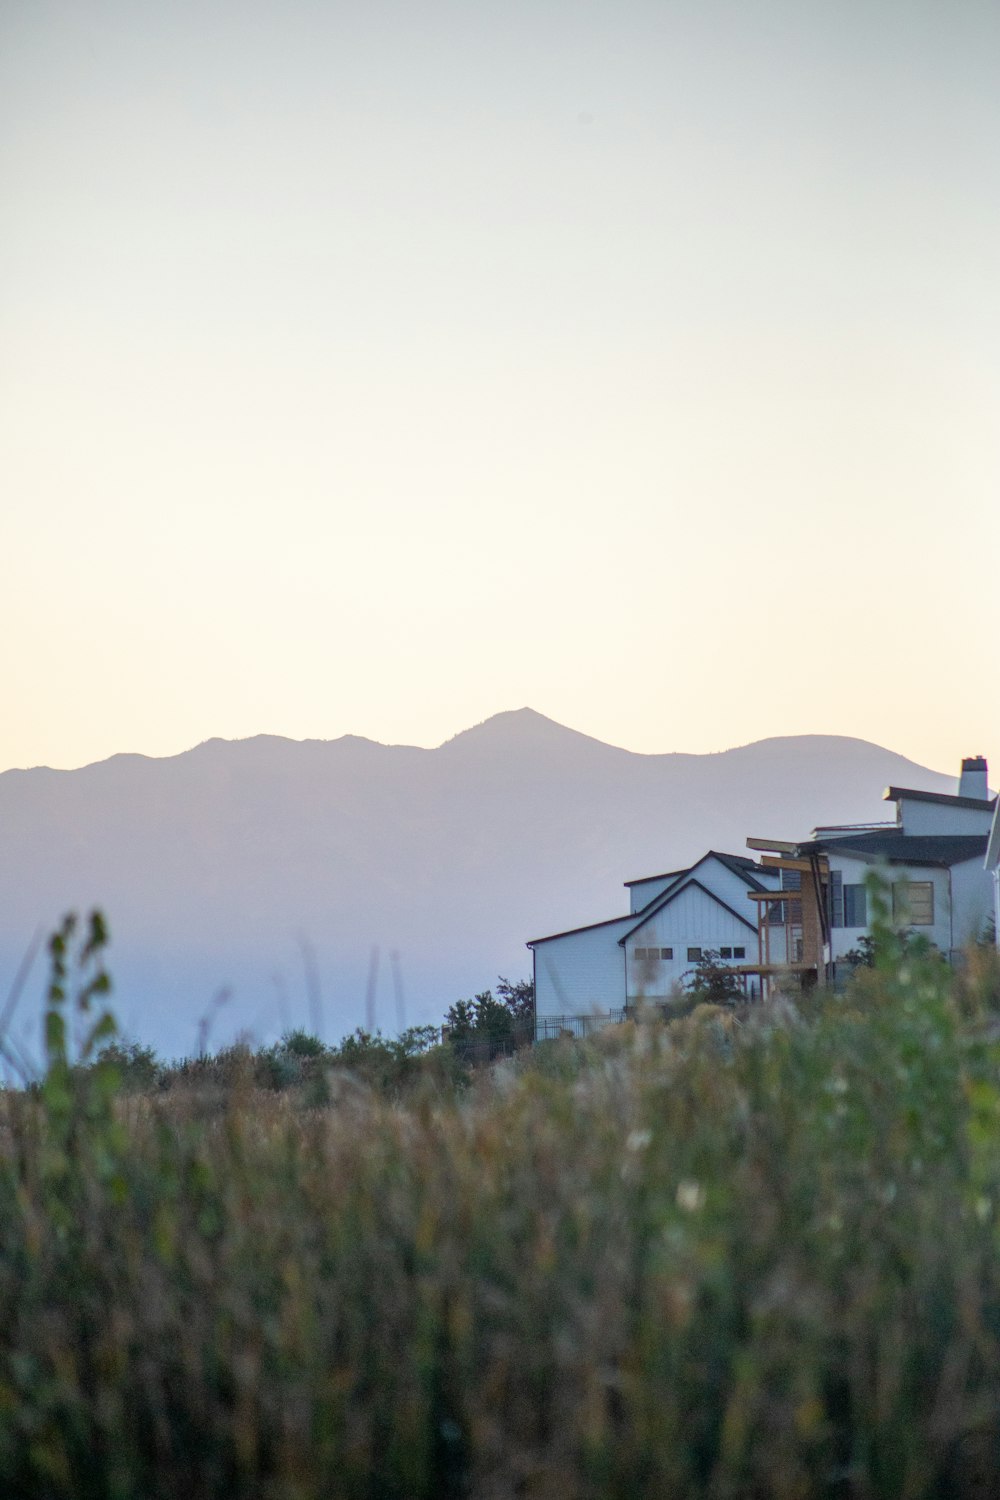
pixel 972 782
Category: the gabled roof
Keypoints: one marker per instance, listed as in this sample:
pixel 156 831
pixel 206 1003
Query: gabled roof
pixel 739 864
pixel 678 889
pixel 897 793
pixel 898 848
pixel 587 927
pixel 746 869
pixel 667 875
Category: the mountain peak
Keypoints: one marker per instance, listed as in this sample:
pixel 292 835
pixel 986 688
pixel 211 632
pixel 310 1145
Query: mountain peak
pixel 225 865
pixel 521 728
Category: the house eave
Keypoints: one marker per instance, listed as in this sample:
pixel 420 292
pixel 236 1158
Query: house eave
pixel 671 895
pixel 946 799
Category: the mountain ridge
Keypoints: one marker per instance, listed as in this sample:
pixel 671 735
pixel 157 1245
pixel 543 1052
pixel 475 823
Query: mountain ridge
pixel 488 729
pixel 216 864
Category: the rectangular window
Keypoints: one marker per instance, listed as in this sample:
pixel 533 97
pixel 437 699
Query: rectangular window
pixel 739 953
pixel 835 899
pixel 913 903
pixel 855 906
pixel 725 952
pixel 640 954
pixel 694 955
pixel 666 952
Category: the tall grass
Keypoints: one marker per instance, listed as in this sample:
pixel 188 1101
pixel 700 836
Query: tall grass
pixel 731 1257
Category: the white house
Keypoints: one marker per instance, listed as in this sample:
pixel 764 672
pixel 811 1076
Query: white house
pixel 602 970
pixel 802 908
pixel 931 856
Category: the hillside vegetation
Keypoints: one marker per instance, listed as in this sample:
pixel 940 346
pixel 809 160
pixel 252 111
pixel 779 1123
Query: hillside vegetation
pixel 746 1254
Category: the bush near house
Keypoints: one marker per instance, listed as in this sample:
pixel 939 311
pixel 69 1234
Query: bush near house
pixel 713 982
pixel 489 1026
pixel 751 1259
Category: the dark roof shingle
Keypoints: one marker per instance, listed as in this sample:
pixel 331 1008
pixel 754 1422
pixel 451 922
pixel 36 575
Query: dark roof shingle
pixel 904 848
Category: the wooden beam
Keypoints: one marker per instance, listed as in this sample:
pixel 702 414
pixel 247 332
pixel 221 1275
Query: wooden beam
pixel 783 862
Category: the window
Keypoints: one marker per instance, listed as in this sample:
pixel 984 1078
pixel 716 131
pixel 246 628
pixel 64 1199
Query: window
pixel 725 952
pixel 694 955
pixel 835 899
pixel 643 955
pixel 739 953
pixel 666 952
pixel 855 906
pixel 913 903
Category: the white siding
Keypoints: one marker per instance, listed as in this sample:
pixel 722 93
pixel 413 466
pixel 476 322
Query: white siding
pixel 712 873
pixel 731 888
pixel 970 894
pixel 691 919
pixel 645 891
pixel 993 866
pixel 582 973
pixel 854 872
pixel 942 818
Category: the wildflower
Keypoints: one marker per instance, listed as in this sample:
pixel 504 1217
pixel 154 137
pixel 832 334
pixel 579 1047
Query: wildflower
pixel 690 1196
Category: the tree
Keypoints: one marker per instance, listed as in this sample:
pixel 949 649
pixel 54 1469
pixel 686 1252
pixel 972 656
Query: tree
pixel 714 982
pixel 498 1022
pixel 863 956
pixel 518 997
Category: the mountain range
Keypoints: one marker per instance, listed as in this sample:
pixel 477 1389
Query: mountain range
pixel 268 883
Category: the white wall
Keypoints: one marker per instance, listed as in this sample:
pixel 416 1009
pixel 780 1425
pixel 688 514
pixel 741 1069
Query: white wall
pixel 854 872
pixel 971 897
pixel 690 919
pixel 647 890
pixel 732 888
pixel 993 867
pixel 942 818
pixel 711 872
pixel 584 973
pixel 581 973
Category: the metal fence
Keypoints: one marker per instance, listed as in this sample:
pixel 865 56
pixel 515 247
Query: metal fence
pixel 549 1027
pixel 483 1049
pixel 480 1049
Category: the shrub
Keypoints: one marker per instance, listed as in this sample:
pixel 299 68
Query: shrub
pixel 717 1258
pixel 713 981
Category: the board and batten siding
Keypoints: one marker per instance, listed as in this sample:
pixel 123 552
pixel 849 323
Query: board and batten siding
pixel 732 888
pixel 581 973
pixel 692 919
pixel 726 884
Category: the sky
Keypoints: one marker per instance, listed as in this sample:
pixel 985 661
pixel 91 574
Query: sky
pixel 375 368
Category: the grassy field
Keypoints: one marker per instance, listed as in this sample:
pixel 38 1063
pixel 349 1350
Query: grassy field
pixel 742 1255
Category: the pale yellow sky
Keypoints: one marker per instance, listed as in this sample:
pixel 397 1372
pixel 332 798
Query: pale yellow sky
pixel 373 369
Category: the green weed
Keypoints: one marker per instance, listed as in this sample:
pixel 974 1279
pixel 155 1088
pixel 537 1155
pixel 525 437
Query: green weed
pixel 735 1255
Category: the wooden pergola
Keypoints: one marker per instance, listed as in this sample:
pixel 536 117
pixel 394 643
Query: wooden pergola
pixel 800 916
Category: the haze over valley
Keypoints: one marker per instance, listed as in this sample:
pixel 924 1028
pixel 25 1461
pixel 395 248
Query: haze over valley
pixel 270 868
